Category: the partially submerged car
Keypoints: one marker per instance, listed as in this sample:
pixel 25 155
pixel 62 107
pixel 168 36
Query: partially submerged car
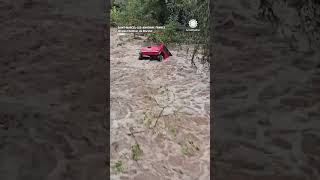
pixel 159 52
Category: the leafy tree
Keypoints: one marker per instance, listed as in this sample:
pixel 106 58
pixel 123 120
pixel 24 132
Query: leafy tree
pixel 133 9
pixel 173 14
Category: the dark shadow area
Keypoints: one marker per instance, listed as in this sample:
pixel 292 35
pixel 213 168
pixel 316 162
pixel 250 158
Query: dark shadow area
pixel 53 90
pixel 266 86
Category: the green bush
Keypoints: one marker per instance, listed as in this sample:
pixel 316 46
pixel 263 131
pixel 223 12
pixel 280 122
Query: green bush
pixel 115 15
pixel 136 152
pixel 168 35
pixel 118 167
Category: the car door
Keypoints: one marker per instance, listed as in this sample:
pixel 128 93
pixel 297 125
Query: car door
pixel 167 53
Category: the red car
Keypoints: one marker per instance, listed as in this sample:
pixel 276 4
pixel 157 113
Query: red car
pixel 158 52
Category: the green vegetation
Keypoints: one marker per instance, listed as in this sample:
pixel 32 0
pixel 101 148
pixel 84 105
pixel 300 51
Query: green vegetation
pixel 173 14
pixel 136 152
pixel 169 34
pixel 188 148
pixel 114 14
pixel 118 167
pixel 148 119
pixel 185 150
pixel 173 130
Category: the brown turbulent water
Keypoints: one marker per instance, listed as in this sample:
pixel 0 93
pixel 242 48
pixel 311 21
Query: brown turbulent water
pixel 51 117
pixel 178 146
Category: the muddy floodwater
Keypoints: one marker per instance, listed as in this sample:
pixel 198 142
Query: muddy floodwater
pixel 160 126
